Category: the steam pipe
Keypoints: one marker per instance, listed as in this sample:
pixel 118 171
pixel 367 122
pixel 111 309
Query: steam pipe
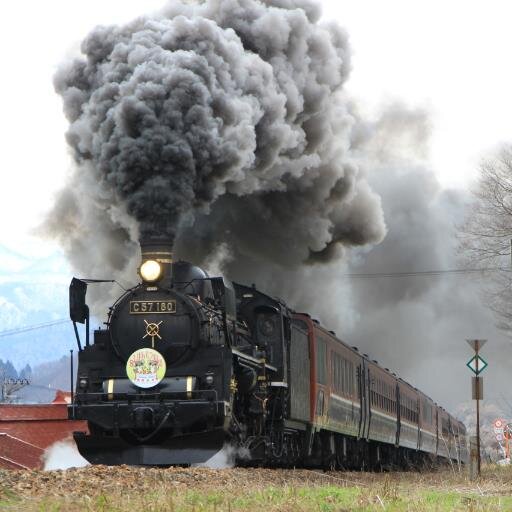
pixel 87 327
pixel 72 385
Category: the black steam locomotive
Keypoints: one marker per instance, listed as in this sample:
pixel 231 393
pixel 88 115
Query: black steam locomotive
pixel 188 363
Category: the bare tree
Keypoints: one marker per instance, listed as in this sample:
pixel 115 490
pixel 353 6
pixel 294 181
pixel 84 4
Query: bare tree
pixel 487 232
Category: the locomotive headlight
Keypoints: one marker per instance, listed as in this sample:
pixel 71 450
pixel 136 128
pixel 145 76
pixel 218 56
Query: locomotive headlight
pixel 151 271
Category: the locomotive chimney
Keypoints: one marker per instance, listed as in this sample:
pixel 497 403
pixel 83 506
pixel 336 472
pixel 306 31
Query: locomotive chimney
pixel 156 261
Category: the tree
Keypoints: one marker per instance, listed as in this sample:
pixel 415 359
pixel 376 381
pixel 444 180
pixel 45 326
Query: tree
pixel 486 236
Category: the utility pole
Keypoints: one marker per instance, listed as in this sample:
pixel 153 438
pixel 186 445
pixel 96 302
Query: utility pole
pixel 477 365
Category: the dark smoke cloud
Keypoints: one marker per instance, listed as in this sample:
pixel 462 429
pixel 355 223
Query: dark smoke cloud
pixel 417 326
pixel 213 122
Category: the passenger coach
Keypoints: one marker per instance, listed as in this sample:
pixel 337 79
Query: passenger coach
pixel 368 413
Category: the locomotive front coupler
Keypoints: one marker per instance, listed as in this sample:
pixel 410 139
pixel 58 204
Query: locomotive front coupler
pixel 150 416
pixel 141 416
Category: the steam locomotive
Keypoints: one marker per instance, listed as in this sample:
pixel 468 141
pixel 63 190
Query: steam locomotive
pixel 188 363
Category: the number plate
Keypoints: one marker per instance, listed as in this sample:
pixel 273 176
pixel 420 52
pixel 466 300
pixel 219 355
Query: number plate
pixel 143 307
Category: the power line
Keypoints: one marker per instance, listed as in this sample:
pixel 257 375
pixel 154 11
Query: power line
pixel 456 271
pixel 28 328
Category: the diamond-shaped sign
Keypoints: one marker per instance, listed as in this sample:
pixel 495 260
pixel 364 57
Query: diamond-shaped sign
pixel 477 365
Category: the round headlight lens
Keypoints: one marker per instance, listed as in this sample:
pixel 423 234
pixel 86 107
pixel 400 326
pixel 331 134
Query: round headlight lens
pixel 150 271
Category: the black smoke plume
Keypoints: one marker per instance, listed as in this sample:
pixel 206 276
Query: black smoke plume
pixel 214 122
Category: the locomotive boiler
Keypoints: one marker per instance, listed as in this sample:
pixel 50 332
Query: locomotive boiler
pixel 188 363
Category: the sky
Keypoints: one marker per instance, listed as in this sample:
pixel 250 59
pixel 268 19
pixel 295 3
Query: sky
pixel 449 58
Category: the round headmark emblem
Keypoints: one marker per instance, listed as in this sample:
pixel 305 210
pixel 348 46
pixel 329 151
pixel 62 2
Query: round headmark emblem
pixel 146 368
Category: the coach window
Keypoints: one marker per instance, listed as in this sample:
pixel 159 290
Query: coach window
pixel 348 368
pixel 344 375
pixel 320 403
pixel 336 372
pixel 321 353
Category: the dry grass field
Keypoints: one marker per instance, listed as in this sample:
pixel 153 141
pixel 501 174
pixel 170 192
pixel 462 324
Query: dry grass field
pixel 112 489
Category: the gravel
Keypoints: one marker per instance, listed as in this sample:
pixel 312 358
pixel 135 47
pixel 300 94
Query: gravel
pixel 100 480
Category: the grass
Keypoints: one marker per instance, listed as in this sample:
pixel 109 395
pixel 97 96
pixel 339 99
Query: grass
pixel 436 491
pixel 321 499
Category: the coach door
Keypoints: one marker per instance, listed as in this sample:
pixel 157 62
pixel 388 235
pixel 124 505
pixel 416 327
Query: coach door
pixel 418 415
pixel 398 421
pixel 300 380
pixel 437 430
pixel 364 399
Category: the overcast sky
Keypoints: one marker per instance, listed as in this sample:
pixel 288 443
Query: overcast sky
pixel 449 57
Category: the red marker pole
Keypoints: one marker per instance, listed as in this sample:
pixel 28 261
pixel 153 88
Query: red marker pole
pixel 475 366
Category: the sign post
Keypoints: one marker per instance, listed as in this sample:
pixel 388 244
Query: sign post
pixel 477 365
pixel 473 458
